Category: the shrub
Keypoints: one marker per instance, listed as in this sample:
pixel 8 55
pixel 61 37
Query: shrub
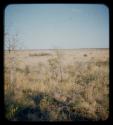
pixel 27 71
pixel 19 70
pixel 85 55
pixel 39 54
pixel 11 111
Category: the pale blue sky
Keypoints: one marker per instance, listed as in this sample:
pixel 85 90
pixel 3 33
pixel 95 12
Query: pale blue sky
pixel 45 26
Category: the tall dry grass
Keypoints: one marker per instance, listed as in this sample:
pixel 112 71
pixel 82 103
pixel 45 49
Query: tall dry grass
pixel 57 92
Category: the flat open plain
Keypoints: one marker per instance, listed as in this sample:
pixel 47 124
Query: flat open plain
pixel 57 85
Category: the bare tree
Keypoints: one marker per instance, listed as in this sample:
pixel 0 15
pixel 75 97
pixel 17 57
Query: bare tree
pixel 56 66
pixel 7 42
pixel 59 57
pixel 11 44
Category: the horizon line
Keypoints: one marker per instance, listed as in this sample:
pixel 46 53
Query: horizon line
pixel 57 48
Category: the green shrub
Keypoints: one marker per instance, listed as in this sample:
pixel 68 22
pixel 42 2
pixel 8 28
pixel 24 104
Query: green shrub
pixel 11 111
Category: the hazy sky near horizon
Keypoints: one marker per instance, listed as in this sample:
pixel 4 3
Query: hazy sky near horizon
pixel 47 26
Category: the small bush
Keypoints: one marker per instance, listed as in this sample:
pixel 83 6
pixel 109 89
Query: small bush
pixel 11 111
pixel 39 54
pixel 104 63
pixel 19 70
pixel 27 71
pixel 85 55
pixel 89 78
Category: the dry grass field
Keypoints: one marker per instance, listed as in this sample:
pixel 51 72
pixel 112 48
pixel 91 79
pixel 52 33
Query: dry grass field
pixel 57 85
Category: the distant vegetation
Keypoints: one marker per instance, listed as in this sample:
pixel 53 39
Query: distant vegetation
pixel 85 54
pixel 39 54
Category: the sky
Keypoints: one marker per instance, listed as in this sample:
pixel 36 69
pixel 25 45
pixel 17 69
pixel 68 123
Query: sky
pixel 66 26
